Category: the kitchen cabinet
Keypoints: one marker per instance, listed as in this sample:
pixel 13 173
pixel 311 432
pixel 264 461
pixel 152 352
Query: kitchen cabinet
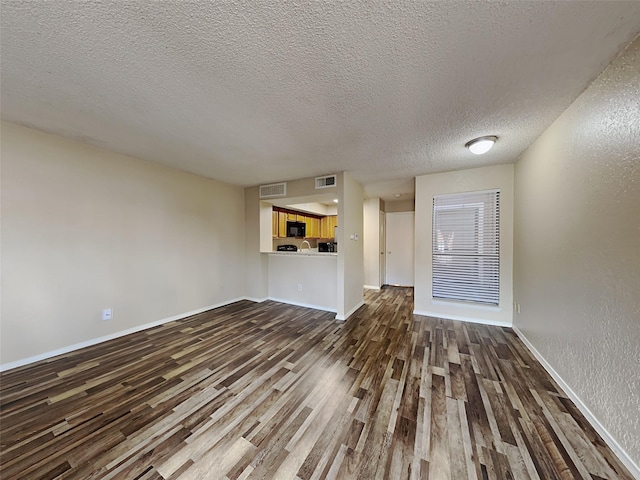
pixel 282 225
pixel 328 225
pixel 279 224
pixel 312 224
pixel 274 223
pixel 313 227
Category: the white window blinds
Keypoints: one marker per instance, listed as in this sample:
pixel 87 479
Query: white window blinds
pixel 466 247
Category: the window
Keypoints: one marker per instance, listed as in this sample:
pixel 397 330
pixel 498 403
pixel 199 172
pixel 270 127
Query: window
pixel 466 247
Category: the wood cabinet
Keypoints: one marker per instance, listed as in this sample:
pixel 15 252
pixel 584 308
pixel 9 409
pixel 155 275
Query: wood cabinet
pixel 279 224
pixel 274 223
pixel 328 226
pixel 315 227
pixel 282 225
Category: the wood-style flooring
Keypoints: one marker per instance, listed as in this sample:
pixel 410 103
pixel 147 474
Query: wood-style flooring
pixel 266 391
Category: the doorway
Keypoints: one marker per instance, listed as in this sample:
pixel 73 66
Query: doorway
pixel 399 248
pixel 382 238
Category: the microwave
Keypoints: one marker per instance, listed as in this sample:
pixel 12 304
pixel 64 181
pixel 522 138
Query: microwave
pixel 296 229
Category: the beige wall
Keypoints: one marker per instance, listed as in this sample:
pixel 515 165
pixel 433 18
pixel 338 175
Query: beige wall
pixel 256 263
pixel 306 187
pixel 371 242
pixel 486 178
pixel 577 255
pixel 350 252
pixel 315 274
pixel 84 229
pixel 400 206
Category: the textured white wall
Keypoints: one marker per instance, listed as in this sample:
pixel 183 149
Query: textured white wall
pixel 85 229
pixel 485 178
pixel 577 255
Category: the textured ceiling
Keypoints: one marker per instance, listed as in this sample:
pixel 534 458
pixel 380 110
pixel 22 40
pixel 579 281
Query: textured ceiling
pixel 251 92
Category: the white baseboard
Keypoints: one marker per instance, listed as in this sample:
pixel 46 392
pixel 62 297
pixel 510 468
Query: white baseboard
pixel 461 318
pixel 371 287
pixel 257 300
pixel 591 418
pixel 111 336
pixel 300 304
pixel 350 312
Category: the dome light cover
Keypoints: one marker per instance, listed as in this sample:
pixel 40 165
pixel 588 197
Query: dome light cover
pixel 481 145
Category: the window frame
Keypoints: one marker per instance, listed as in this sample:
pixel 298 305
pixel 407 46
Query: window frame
pixel 469 274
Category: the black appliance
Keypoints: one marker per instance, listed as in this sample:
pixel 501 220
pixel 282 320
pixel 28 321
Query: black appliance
pixel 287 248
pixel 327 246
pixel 296 229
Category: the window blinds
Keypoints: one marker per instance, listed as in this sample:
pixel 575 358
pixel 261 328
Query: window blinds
pixel 466 247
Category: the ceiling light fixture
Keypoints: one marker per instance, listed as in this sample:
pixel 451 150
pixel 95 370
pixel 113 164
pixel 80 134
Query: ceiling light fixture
pixel 481 145
pixel 335 200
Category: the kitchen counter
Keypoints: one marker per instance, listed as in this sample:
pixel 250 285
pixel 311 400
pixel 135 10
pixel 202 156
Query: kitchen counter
pixel 306 253
pixel 306 278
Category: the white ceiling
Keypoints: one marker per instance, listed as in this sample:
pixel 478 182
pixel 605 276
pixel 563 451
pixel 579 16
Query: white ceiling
pixel 251 92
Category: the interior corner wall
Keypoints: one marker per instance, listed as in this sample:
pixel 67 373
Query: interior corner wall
pixel 84 229
pixel 371 242
pixel 400 206
pixel 476 179
pixel 577 249
pixel 256 263
pixel 350 250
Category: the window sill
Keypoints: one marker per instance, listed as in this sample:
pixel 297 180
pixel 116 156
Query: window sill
pixel 469 305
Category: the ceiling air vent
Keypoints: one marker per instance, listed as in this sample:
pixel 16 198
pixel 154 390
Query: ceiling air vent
pixel 326 182
pixel 273 190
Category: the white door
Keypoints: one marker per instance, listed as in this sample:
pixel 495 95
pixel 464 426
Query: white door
pixel 382 239
pixel 399 248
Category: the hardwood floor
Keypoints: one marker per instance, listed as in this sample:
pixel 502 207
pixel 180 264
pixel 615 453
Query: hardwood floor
pixel 276 391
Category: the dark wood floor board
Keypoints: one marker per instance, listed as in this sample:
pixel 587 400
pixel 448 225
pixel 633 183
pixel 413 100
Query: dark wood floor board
pixel 250 391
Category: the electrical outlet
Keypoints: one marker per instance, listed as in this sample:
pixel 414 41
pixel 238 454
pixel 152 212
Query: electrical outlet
pixel 299 287
pixel 107 314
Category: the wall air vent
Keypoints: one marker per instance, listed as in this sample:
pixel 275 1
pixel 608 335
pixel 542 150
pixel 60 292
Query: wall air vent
pixel 273 190
pixel 326 182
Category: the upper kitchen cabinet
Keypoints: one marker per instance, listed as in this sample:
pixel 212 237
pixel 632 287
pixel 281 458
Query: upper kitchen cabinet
pixel 313 223
pixel 279 224
pixel 282 225
pixel 313 227
pixel 274 224
pixel 328 225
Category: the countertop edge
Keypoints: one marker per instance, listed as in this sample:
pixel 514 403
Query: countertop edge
pixel 305 254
